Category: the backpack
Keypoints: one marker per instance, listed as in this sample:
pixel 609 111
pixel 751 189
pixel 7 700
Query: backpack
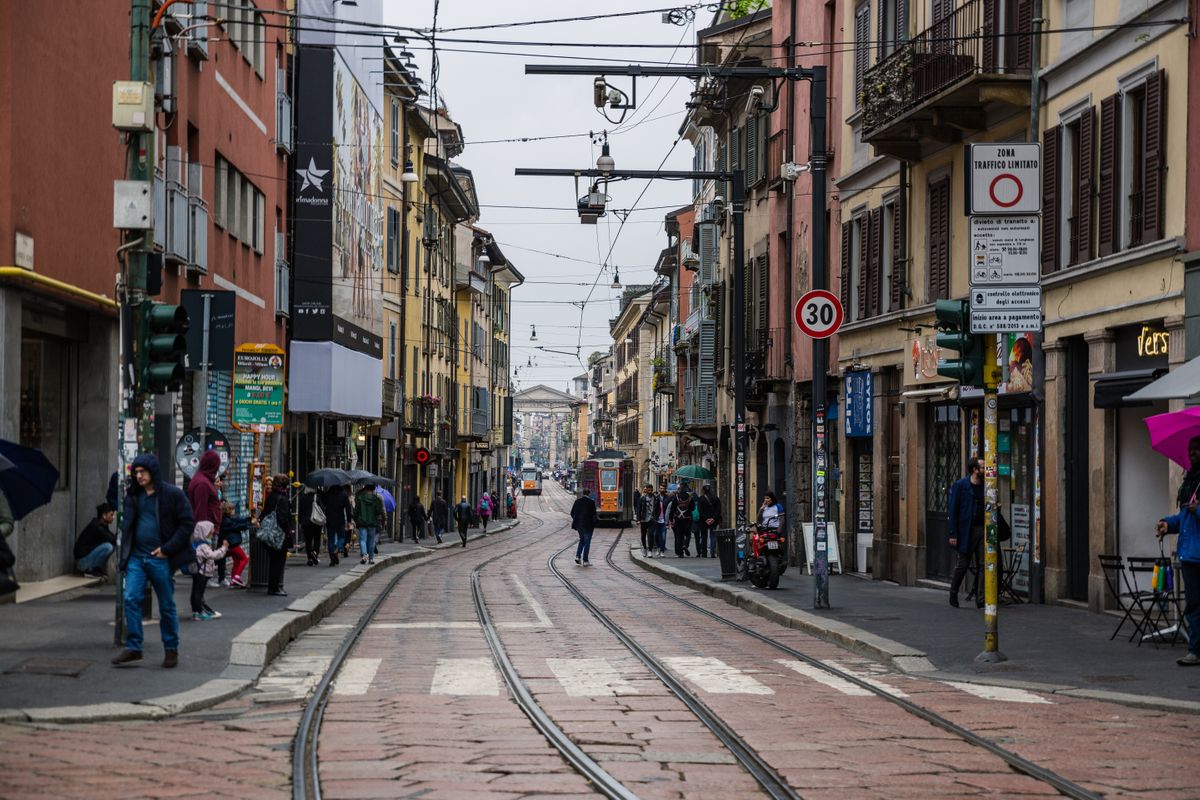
pixel 485 507
pixel 317 517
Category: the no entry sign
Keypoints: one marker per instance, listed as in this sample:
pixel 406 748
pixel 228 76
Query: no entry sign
pixel 819 314
pixel 1004 178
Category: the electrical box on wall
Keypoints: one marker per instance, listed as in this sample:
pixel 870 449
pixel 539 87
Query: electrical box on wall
pixel 133 205
pixel 133 106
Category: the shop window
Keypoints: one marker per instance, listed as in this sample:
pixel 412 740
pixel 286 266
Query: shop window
pixel 45 399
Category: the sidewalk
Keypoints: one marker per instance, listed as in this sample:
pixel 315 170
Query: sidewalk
pixel 916 629
pixel 55 658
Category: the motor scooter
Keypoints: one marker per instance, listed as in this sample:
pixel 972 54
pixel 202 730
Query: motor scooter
pixel 767 558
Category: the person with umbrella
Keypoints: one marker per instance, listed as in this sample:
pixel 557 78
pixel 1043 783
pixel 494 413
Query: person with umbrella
pixel 1187 524
pixel 338 517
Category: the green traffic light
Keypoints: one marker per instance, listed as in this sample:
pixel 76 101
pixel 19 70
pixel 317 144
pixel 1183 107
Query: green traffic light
pixel 953 321
pixel 162 347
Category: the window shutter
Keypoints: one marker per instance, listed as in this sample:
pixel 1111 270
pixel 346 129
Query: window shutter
pixel 864 264
pixel 735 149
pixel 989 35
pixel 1024 26
pixel 901 21
pixel 844 287
pixel 898 266
pixel 751 150
pixel 942 9
pixel 1152 158
pixel 939 240
pixel 1086 156
pixel 862 45
pixel 391 239
pixel 722 156
pixel 881 35
pixel 718 315
pixel 1050 190
pixel 760 294
pixel 1110 110
pixel 875 273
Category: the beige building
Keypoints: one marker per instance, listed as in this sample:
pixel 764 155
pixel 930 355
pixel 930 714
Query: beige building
pixel 628 369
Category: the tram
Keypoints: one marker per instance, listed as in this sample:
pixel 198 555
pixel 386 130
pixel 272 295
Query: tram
pixel 609 476
pixel 531 479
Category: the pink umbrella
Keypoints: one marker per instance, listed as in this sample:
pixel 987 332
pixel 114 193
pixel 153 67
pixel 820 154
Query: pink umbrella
pixel 1170 433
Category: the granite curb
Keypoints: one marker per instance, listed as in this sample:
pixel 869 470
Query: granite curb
pixel 249 653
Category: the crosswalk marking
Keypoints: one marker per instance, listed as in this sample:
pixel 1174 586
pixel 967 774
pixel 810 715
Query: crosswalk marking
pixel 356 675
pixel 465 676
pixel 869 679
pixel 824 678
pixel 1004 694
pixel 538 611
pixel 589 677
pixel 715 676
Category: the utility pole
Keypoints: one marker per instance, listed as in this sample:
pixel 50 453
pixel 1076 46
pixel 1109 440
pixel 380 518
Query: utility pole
pixel 991 493
pixel 820 347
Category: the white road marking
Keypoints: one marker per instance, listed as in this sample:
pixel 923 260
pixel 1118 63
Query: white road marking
pixel 824 678
pixel 1004 694
pixel 589 677
pixel 356 675
pixel 715 676
pixel 538 611
pixel 465 676
pixel 868 678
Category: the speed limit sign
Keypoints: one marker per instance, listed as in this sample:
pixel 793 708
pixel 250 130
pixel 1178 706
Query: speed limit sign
pixel 819 314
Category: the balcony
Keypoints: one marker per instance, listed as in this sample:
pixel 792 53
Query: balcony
pixel 419 418
pixel 941 85
pixel 473 425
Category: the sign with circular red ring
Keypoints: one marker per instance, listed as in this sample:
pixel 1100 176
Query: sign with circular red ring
pixel 1006 177
pixel 422 455
pixel 819 314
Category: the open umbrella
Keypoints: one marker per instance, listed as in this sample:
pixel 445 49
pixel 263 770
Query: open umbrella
pixel 694 471
pixel 27 478
pixel 363 476
pixel 1171 432
pixel 326 478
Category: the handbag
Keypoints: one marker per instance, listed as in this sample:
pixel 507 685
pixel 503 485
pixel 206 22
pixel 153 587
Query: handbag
pixel 317 516
pixel 269 532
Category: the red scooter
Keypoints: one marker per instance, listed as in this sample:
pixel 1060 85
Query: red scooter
pixel 767 560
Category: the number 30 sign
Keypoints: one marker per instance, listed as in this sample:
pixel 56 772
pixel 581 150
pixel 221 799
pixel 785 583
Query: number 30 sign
pixel 819 314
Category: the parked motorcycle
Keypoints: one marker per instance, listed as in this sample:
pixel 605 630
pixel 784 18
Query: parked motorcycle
pixel 767 559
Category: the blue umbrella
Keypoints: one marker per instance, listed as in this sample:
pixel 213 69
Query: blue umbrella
pixel 26 478
pixel 389 502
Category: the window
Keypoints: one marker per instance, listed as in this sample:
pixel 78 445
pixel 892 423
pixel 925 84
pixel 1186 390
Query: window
pixel 392 350
pixel 1074 204
pixel 858 247
pixel 395 133
pixel 862 48
pixel 393 231
pixel 239 207
pixel 219 192
pixel 893 26
pixel 247 32
pixel 1140 132
pixel 45 398
pixel 938 213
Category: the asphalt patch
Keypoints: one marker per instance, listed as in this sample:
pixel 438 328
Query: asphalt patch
pixel 65 667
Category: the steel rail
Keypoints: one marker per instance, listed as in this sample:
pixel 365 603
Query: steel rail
pixel 1018 763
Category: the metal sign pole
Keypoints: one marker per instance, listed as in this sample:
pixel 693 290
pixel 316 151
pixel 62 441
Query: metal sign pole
pixel 204 366
pixel 991 584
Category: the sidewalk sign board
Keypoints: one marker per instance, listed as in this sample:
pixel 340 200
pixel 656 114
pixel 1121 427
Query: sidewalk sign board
pixel 258 378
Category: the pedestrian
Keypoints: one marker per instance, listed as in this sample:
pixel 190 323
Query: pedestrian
pixel 202 490
pixel 439 515
pixel 485 509
pixel 205 567
pixel 1187 549
pixel 338 517
pixel 278 503
pixel 682 519
pixel 643 512
pixel 709 507
pixel 462 516
pixel 389 512
pixel 417 518
pixel 583 521
pixel 966 527
pixel 155 542
pixel 368 512
pixel 662 517
pixel 770 513
pixel 312 522
pixel 96 543
pixel 234 528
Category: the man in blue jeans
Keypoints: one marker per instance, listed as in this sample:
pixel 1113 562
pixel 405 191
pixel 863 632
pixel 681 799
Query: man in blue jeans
pixel 583 520
pixel 155 541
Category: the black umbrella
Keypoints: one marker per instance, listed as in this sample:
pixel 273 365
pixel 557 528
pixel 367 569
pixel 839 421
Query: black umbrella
pixel 27 478
pixel 327 478
pixel 363 476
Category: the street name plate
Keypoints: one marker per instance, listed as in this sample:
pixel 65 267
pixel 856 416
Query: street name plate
pixel 1004 250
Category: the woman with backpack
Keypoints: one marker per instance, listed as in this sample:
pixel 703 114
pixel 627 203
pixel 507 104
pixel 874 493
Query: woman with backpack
pixel 485 510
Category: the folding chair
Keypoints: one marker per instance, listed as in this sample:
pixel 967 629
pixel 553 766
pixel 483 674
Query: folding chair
pixel 1155 603
pixel 1011 564
pixel 1127 600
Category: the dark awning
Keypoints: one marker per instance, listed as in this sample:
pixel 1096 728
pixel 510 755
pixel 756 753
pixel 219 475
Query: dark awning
pixel 1113 387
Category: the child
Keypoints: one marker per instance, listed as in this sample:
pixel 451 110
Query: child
pixel 233 530
pixel 205 556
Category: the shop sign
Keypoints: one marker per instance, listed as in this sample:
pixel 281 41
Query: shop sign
pixel 860 403
pixel 258 376
pixel 922 362
pixel 1143 346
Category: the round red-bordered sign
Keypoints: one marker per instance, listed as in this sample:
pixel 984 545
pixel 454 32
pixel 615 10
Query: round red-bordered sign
pixel 422 456
pixel 819 314
pixel 1006 177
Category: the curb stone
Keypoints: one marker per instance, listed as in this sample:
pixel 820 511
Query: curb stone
pixel 904 658
pixel 249 652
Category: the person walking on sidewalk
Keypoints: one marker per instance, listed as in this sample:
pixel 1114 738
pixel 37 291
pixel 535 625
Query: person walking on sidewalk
pixel 417 517
pixel 462 516
pixel 710 517
pixel 485 510
pixel 966 527
pixel 279 504
pixel 96 543
pixel 1187 524
pixel 368 512
pixel 439 515
pixel 662 516
pixel 643 512
pixel 156 541
pixel 682 517
pixel 205 568
pixel 309 528
pixel 338 517
pixel 583 521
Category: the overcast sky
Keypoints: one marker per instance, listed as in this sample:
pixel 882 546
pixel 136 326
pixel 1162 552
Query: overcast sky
pixel 491 97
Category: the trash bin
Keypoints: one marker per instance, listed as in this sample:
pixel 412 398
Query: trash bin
pixel 727 552
pixel 258 561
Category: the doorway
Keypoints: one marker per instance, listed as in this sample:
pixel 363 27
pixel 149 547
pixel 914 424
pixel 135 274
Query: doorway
pixel 1077 460
pixel 943 466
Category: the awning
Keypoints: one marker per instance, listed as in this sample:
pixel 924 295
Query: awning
pixel 1183 382
pixel 1112 388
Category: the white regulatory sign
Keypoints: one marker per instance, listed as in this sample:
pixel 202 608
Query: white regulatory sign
pixel 1006 298
pixel 1004 178
pixel 1005 250
pixel 1010 321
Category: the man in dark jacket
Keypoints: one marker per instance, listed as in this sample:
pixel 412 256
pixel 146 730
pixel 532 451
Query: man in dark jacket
pixel 96 543
pixel 643 512
pixel 462 516
pixel 966 527
pixel 710 518
pixel 156 540
pixel 439 514
pixel 202 490
pixel 338 516
pixel 583 520
pixel 417 517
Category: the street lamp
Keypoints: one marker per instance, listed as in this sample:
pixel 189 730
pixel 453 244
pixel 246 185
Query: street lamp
pixel 616 284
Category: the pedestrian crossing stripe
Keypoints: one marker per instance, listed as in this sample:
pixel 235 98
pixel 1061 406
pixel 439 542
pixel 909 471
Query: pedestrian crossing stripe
pixel 589 677
pixel 714 676
pixel 356 675
pixel 1005 694
pixel 465 676
pixel 825 678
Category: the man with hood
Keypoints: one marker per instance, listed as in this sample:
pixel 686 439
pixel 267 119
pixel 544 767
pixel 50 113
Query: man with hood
pixel 155 542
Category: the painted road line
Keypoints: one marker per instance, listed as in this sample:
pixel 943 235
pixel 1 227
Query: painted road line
pixel 465 676
pixel 824 678
pixel 356 675
pixel 538 611
pixel 589 677
pixel 715 676
pixel 1005 694
pixel 867 678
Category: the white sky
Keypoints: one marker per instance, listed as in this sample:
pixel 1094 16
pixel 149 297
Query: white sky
pixel 491 98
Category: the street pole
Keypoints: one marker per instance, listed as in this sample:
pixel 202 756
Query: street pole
pixel 738 206
pixel 820 347
pixel 204 365
pixel 991 551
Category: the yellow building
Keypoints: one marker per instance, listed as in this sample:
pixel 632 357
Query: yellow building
pixel 505 278
pixel 628 396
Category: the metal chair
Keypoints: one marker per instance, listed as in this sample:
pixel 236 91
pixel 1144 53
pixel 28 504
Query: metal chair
pixel 1127 599
pixel 1011 565
pixel 1155 604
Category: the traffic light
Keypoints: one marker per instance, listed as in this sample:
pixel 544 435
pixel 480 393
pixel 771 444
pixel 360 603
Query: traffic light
pixel 161 347
pixel 954 333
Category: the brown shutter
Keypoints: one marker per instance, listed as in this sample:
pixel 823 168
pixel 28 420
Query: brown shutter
pixel 1110 111
pixel 862 47
pixel 1086 158
pixel 990 38
pixel 899 268
pixel 942 9
pixel 1153 161
pixel 875 279
pixel 1025 26
pixel 762 294
pixel 939 240
pixel 1050 191
pixel 864 262
pixel 881 35
pixel 844 288
pixel 901 21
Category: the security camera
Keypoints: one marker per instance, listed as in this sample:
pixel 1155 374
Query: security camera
pixel 756 91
